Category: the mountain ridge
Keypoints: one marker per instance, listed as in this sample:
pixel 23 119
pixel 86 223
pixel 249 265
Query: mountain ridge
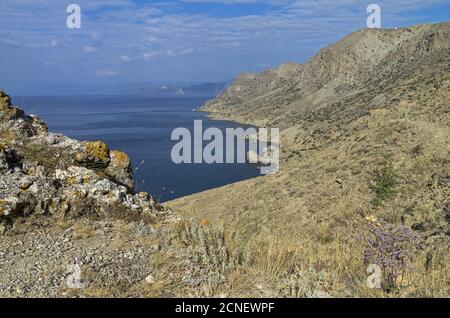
pixel 343 67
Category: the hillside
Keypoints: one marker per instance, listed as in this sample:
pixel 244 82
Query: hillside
pixel 365 136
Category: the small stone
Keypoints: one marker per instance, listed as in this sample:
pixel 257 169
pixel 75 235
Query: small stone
pixel 2 228
pixel 155 248
pixel 150 279
pixel 26 185
pixel 143 196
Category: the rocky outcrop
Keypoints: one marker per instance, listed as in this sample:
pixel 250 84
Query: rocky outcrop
pixel 114 164
pixel 14 118
pixel 46 173
pixel 120 168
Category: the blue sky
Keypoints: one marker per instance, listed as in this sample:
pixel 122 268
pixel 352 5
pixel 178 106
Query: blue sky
pixel 179 41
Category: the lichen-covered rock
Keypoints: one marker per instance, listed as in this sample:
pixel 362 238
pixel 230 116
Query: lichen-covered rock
pixel 16 121
pixel 8 158
pixel 98 151
pixel 5 101
pixel 51 174
pixel 120 169
pixel 94 155
pixel 114 164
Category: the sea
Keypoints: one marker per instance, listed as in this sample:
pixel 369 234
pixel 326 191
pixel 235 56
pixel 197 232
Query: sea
pixel 142 127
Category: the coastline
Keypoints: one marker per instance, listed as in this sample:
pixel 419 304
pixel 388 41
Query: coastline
pixel 228 117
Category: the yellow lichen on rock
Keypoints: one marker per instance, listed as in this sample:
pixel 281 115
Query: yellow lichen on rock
pixel 98 150
pixel 5 101
pixel 120 158
pixel 3 203
pixel 2 211
pixel 120 169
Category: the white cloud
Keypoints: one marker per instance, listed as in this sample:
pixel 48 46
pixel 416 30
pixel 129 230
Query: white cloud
pixel 196 40
pixel 125 58
pixel 89 49
pixel 147 56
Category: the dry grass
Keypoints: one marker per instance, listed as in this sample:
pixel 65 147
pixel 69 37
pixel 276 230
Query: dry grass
pixel 82 230
pixel 213 255
pixel 272 266
pixel 273 259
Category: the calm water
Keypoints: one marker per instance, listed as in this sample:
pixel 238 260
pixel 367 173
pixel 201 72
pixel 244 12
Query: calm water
pixel 141 127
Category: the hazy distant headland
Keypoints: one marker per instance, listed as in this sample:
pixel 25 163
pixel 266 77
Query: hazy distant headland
pixel 150 89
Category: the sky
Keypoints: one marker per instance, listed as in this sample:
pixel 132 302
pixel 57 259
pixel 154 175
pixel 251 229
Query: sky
pixel 178 41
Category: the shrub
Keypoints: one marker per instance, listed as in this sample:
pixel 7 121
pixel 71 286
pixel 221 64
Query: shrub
pixel 385 181
pixel 306 284
pixel 212 255
pixel 392 248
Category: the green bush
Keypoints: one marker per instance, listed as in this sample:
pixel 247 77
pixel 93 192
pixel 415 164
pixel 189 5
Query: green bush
pixel 385 181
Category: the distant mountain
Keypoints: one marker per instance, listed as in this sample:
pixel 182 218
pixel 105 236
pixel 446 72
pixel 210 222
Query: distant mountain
pixel 363 71
pixel 209 89
pixel 204 89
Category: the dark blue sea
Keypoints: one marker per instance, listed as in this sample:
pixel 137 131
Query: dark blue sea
pixel 141 127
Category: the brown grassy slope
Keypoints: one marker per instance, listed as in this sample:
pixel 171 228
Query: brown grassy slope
pixel 376 101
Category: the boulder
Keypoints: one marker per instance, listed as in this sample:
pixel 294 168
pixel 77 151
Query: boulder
pixel 95 155
pixel 5 102
pixel 120 169
pixel 18 121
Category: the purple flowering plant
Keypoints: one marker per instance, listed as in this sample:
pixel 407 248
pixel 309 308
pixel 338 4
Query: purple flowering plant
pixel 391 247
